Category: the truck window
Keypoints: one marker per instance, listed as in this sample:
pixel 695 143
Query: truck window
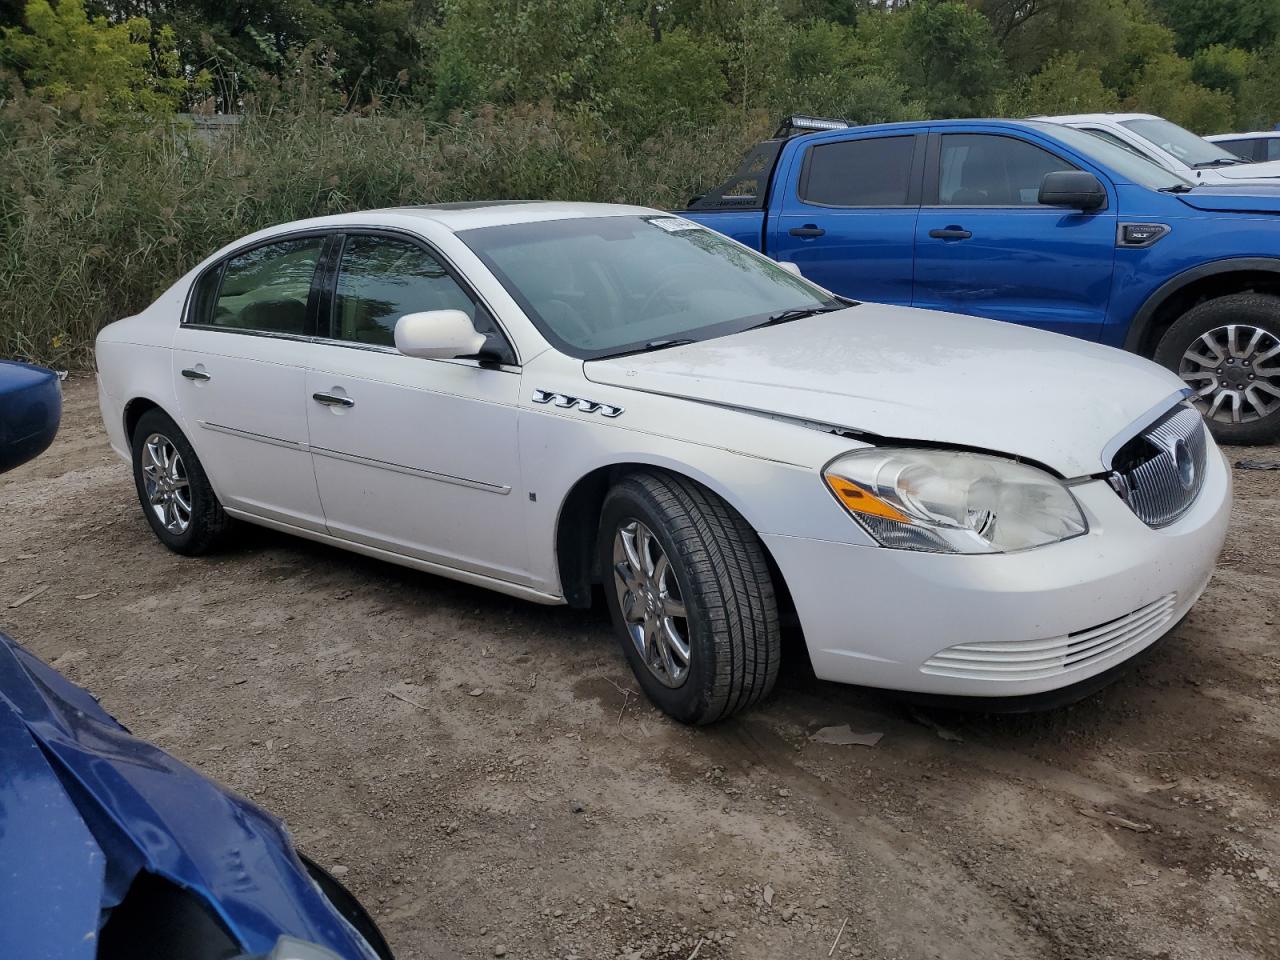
pixel 872 172
pixel 981 170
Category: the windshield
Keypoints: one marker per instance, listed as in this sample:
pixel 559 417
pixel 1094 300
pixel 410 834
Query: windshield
pixel 1122 161
pixel 601 286
pixel 1186 146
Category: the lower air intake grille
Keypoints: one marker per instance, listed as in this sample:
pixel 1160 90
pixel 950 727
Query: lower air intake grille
pixel 1041 659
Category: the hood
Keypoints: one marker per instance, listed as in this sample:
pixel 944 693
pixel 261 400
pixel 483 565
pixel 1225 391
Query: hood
pixel 910 374
pixel 1238 199
pixel 85 806
pixel 1267 170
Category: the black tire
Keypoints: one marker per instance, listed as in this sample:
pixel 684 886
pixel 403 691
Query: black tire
pixel 1257 310
pixel 723 578
pixel 208 523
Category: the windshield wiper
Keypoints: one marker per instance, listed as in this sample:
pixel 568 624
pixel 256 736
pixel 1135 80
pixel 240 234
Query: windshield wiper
pixel 654 345
pixel 1219 162
pixel 1177 188
pixel 798 313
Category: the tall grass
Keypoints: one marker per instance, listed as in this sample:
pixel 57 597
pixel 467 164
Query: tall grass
pixel 98 218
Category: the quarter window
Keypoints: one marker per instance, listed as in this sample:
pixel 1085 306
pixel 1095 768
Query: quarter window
pixel 978 170
pixel 872 172
pixel 381 279
pixel 266 288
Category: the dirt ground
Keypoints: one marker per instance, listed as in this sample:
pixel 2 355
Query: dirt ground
pixel 517 797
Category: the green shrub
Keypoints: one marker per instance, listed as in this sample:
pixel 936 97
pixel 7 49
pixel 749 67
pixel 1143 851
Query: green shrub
pixel 96 220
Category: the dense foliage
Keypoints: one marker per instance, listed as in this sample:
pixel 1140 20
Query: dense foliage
pixel 107 197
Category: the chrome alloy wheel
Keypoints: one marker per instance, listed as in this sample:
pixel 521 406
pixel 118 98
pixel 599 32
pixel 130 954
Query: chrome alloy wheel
pixel 651 604
pixel 165 478
pixel 1234 371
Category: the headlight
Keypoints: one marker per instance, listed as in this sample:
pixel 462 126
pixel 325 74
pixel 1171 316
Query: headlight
pixel 944 502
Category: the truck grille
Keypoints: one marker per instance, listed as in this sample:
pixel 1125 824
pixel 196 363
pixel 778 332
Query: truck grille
pixel 1159 473
pixel 1042 659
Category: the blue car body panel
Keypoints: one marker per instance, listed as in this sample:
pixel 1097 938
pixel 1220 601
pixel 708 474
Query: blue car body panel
pixel 1050 267
pixel 85 806
pixel 30 410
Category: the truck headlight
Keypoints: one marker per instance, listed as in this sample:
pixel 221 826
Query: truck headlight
pixel 941 501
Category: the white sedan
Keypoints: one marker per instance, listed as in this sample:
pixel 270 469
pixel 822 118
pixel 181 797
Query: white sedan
pixel 543 398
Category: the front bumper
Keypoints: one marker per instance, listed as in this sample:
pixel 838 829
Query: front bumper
pixel 1003 625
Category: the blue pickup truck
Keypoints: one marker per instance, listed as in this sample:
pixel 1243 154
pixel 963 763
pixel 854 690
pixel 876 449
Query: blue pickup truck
pixel 1032 223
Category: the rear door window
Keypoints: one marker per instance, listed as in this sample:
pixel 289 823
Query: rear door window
pixel 264 289
pixel 870 172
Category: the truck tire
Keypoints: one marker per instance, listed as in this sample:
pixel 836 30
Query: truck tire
pixel 1228 351
pixel 691 597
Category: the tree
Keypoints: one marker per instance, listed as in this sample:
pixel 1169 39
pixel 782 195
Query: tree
pixel 948 56
pixel 1065 85
pixel 1165 88
pixel 63 53
pixel 1248 24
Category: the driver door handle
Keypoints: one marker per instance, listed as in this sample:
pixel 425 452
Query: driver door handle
pixel 808 230
pixel 329 400
pixel 951 233
pixel 196 375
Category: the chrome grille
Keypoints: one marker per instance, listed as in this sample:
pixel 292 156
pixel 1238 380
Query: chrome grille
pixel 1160 472
pixel 1042 659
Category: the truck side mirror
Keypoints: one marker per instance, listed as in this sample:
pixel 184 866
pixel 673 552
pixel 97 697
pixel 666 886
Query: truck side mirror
pixel 1072 188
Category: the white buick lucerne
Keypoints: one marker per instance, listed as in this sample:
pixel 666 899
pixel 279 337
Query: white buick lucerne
pixel 544 397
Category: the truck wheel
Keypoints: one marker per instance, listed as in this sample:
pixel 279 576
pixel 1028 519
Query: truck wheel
pixel 690 594
pixel 1228 352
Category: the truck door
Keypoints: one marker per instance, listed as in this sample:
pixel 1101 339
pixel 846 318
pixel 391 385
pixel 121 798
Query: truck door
pixel 986 247
pixel 847 213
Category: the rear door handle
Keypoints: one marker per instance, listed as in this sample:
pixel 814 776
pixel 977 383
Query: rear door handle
pixel 196 375
pixel 329 400
pixel 808 230
pixel 951 233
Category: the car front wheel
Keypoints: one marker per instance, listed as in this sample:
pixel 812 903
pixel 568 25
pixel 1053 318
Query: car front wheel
pixel 1228 351
pixel 691 597
pixel 174 491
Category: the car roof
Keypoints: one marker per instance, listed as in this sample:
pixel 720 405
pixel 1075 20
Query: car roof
pixel 493 213
pixel 1097 117
pixel 1256 135
pixel 454 217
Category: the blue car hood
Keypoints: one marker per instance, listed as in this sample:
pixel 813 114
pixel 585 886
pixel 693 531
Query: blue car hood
pixel 1251 199
pixel 85 806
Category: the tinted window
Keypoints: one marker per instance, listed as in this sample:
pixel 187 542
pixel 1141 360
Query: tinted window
pixel 267 288
pixel 205 295
pixel 859 173
pixel 381 279
pixel 1254 151
pixel 977 170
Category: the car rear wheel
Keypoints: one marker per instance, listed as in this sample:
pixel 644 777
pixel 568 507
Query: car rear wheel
pixel 691 597
pixel 173 489
pixel 1228 352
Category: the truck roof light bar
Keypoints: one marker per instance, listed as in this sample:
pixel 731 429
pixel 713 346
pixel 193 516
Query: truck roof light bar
pixel 798 123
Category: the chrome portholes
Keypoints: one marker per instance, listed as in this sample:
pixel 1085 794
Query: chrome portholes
pixel 581 404
pixel 164 477
pixel 652 606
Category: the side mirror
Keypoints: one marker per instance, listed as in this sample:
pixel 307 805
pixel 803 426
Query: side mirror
pixel 1072 188
pixel 438 335
pixel 791 268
